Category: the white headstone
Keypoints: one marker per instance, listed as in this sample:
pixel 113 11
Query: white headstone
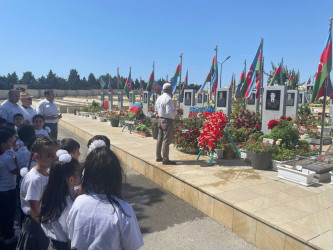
pixel 154 98
pixel 110 100
pixel 252 103
pixel 309 90
pixel 292 103
pixel 131 97
pixel 200 100
pixel 145 102
pixel 301 98
pixel 189 100
pixel 223 100
pixel 102 99
pixel 120 100
pixel 273 105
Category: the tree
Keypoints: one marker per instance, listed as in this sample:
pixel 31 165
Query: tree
pixel 28 79
pixel 3 83
pixel 12 79
pixel 92 82
pixel 51 81
pixel 73 79
pixel 285 76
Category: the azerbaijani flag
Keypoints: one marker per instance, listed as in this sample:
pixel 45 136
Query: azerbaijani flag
pixel 309 81
pixel 231 86
pixel 276 75
pixel 290 82
pixel 103 83
pixel 240 85
pixel 324 69
pixel 175 78
pixel 214 76
pixel 250 78
pixel 150 81
pixel 208 77
pixel 127 86
pixel 185 83
pixel 158 88
pixel 119 79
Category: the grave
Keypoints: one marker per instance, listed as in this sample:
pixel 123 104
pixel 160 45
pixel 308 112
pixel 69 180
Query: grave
pixel 301 97
pixel 110 100
pixel 205 97
pixel 223 100
pixel 252 103
pixel 189 101
pixel 154 98
pixel 131 99
pixel 120 100
pixel 145 102
pixel 273 105
pixel 200 100
pixel 292 103
pixel 102 99
pixel 309 90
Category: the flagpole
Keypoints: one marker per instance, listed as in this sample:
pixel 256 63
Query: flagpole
pixel 153 79
pixel 167 76
pixel 281 71
pixel 118 78
pixel 244 82
pixel 109 83
pixel 215 69
pixel 180 77
pixel 261 76
pixel 324 104
pixel 141 87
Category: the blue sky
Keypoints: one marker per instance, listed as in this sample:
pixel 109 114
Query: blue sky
pixel 98 36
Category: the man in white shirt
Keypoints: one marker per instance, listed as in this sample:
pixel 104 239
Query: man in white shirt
pixel 10 107
pixel 166 112
pixel 26 100
pixel 49 110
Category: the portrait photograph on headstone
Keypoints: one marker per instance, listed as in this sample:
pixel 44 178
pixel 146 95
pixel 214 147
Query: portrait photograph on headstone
pixel 252 99
pixel 119 97
pixel 290 99
pixel 200 98
pixel 188 99
pixel 300 98
pixel 309 90
pixel 205 98
pixel 221 99
pixel 273 100
pixel 130 97
pixel 145 97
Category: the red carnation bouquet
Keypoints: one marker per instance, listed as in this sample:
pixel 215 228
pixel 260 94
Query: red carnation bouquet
pixel 272 124
pixel 212 131
pixel 136 110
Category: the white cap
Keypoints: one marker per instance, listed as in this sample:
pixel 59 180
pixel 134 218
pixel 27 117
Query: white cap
pixel 166 86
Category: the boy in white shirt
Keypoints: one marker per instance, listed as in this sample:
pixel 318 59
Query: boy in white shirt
pixel 26 134
pixel 38 124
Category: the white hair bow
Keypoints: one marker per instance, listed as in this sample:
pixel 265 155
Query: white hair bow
pixel 64 156
pixel 96 144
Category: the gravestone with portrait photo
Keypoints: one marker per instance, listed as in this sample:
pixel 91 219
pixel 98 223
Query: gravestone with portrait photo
pixel 205 97
pixel 309 90
pixel 223 100
pixel 102 99
pixel 120 99
pixel 274 105
pixel 130 99
pixel 145 102
pixel 252 103
pixel 292 103
pixel 154 98
pixel 110 96
pixel 189 100
pixel 200 100
pixel 301 97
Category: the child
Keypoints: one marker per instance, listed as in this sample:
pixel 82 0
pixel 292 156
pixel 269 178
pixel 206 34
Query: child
pixel 56 203
pixel 8 172
pixel 100 137
pixel 26 134
pixel 18 120
pixel 3 122
pixel 99 219
pixel 38 123
pixel 71 146
pixel 32 236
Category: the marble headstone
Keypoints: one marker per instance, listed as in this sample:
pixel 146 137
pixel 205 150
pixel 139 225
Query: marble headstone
pixel 273 105
pixel 301 97
pixel 309 90
pixel 189 100
pixel 102 99
pixel 130 99
pixel 120 100
pixel 154 98
pixel 223 100
pixel 200 100
pixel 145 102
pixel 292 103
pixel 205 97
pixel 252 103
pixel 110 100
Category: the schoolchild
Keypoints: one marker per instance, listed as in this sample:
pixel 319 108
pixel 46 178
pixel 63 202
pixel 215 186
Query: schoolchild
pixel 8 172
pixel 71 146
pixel 38 123
pixel 32 236
pixel 55 204
pixel 100 137
pixel 3 122
pixel 99 219
pixel 26 134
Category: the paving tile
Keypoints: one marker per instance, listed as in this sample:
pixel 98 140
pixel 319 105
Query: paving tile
pixel 149 172
pixel 292 244
pixel 206 204
pixel 280 214
pixel 323 241
pixel 311 204
pixel 238 195
pixel 223 213
pixel 298 231
pixel 191 195
pixel 269 188
pixel 178 188
pixel 271 200
pixel 244 226
pixel 247 207
pixel 158 176
pixel 269 238
pixel 167 182
pixel 297 192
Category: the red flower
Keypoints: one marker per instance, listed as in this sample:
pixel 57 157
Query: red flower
pixel 273 123
pixel 282 117
pixel 288 118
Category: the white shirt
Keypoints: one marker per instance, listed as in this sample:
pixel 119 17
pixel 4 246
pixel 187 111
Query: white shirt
pixel 42 131
pixel 32 188
pixel 46 108
pixel 7 179
pixel 165 107
pixel 93 223
pixel 8 110
pixel 29 113
pixel 57 230
pixel 23 157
